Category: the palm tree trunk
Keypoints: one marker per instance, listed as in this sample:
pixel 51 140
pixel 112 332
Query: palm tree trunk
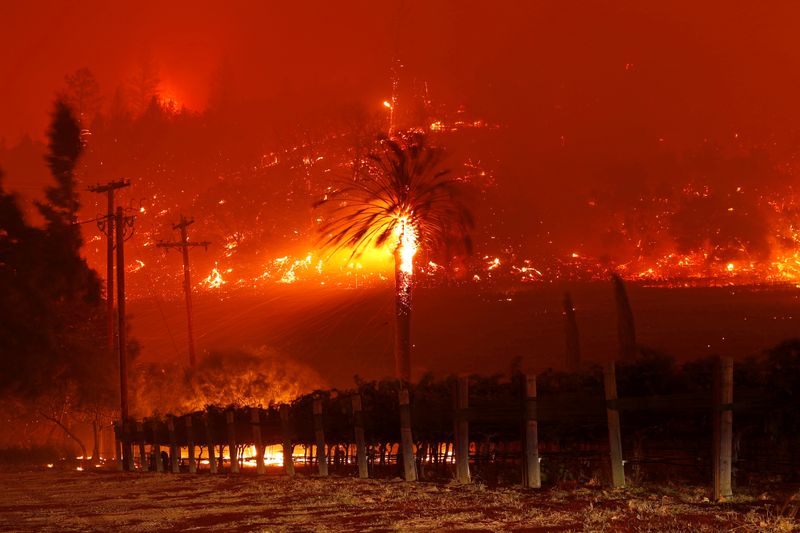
pixel 402 331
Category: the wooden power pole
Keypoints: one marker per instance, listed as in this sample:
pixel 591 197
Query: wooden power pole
pixel 184 246
pixel 121 223
pixel 106 225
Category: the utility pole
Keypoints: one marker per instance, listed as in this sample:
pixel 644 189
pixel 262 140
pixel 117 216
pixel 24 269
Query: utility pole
pixel 106 225
pixel 184 246
pixel 121 223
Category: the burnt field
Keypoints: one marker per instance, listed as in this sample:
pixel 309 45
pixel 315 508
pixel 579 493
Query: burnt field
pixel 103 500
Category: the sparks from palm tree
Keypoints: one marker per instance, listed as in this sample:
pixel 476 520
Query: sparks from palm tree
pixel 404 200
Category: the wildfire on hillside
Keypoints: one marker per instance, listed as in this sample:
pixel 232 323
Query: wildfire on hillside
pixel 689 235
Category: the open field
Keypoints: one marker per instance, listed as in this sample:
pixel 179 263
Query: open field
pixel 339 332
pixel 103 500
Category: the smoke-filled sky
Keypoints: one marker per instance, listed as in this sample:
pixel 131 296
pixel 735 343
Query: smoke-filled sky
pixel 605 73
pixel 600 106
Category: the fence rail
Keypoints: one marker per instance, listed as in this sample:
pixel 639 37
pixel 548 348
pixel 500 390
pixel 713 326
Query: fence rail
pixel 462 427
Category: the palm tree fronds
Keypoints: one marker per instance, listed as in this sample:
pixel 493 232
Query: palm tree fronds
pixel 401 180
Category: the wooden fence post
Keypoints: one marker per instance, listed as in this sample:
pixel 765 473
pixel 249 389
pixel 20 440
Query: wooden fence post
pixel 145 464
pixel 232 449
pixel 118 446
pixel 255 419
pixel 361 447
pixel 614 431
pixel 723 429
pixel 156 448
pixel 127 445
pixel 531 472
pixel 212 460
pixel 461 430
pixel 174 449
pixel 319 433
pixel 288 462
pixel 406 438
pixel 190 444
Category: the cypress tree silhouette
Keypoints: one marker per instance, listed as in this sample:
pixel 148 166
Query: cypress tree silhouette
pixel 571 335
pixel 626 330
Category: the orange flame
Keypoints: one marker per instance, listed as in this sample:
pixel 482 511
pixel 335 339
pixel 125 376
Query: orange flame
pixel 213 280
pixel 407 244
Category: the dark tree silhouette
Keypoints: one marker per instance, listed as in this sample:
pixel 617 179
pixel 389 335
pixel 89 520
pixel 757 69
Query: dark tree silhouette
pixel 64 149
pixel 52 321
pixel 83 95
pixel 63 235
pixel 26 326
pixel 403 199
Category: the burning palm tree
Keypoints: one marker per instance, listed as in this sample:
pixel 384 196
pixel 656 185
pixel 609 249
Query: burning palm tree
pixel 405 200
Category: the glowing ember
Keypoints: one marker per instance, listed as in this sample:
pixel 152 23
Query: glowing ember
pixel 213 280
pixel 289 276
pixel 230 247
pixel 137 265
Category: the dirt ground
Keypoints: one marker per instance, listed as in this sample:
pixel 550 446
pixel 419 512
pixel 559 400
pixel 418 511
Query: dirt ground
pixel 99 500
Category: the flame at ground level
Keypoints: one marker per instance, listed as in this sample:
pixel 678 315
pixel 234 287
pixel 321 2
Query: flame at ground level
pixel 273 455
pixel 375 266
pixel 335 268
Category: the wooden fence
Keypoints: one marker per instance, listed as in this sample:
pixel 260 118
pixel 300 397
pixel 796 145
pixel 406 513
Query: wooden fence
pixel 427 434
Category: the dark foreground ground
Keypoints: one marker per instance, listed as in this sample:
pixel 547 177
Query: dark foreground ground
pixel 111 501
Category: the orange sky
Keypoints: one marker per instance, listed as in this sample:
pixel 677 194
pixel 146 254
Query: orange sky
pixel 687 67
